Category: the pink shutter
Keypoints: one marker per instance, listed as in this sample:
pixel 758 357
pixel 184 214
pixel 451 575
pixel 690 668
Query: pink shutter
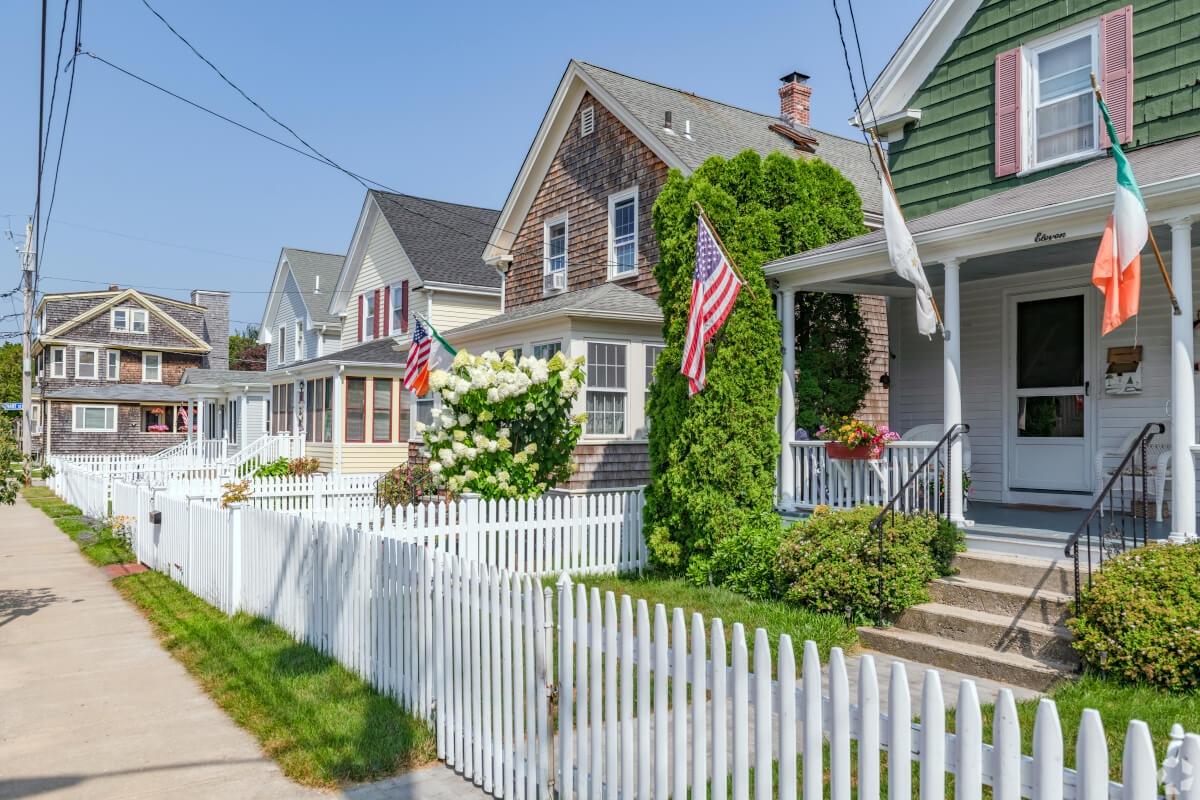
pixel 387 317
pixel 1116 72
pixel 1008 113
pixel 404 307
pixel 360 317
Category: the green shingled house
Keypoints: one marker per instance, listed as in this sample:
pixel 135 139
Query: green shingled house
pixel 1003 171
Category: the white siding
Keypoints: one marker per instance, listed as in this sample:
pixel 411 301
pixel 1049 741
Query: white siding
pixel 452 309
pixel 256 418
pixel 916 390
pixel 290 309
pixel 384 264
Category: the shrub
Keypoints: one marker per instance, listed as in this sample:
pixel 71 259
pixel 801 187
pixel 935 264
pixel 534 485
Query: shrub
pixel 273 469
pixel 303 466
pixel 505 427
pixel 743 558
pixel 830 561
pixel 404 485
pixel 713 456
pixel 284 466
pixel 1140 619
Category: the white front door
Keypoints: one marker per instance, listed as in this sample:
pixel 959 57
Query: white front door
pixel 1049 406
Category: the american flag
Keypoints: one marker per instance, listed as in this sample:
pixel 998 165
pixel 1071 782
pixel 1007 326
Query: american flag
pixel 416 369
pixel 715 288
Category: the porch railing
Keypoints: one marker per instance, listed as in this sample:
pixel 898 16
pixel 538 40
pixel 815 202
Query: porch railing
pixel 847 484
pixel 923 491
pixel 1119 519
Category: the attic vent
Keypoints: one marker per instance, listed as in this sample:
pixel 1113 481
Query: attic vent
pixel 587 121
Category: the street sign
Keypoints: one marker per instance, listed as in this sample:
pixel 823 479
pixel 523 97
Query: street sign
pixel 10 406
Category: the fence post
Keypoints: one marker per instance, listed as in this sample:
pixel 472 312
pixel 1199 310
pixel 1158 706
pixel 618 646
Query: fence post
pixel 566 690
pixel 234 595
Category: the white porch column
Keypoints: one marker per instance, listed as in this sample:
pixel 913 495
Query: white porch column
pixel 201 427
pixel 787 399
pixel 187 429
pixel 952 389
pixel 1183 388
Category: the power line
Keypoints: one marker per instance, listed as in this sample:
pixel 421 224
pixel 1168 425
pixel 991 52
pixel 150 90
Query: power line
pixel 162 243
pixel 853 91
pixel 62 136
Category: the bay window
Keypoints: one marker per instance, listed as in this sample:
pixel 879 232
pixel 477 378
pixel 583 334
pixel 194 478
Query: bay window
pixel 607 388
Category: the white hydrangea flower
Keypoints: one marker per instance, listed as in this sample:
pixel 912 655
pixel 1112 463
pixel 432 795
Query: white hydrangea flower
pixel 531 448
pixel 520 458
pixel 458 448
pixel 529 408
pixel 447 457
pixel 435 467
pixel 438 378
pixel 461 359
pixel 459 435
pixel 421 426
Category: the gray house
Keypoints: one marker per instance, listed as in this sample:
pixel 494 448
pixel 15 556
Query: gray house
pixel 296 324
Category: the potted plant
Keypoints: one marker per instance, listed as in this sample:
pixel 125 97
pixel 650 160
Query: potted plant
pixel 852 439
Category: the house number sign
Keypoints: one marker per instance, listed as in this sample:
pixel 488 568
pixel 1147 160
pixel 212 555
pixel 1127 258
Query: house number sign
pixel 1040 237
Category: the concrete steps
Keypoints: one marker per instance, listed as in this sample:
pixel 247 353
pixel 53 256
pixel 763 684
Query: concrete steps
pixel 1000 617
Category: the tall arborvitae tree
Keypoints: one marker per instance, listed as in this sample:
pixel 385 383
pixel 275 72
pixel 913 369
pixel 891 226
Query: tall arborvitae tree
pixel 713 456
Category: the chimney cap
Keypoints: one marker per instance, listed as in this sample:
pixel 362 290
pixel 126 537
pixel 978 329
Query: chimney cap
pixel 794 77
pixel 112 287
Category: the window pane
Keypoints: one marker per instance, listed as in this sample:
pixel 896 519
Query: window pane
pixel 397 309
pixel 139 321
pixel 1050 416
pixel 546 350
pixel 328 382
pixel 624 235
pixel 1065 69
pixel 556 250
pixel 1065 127
pixel 1050 342
pixel 356 398
pixel 606 365
pixel 381 410
pixel 96 418
pixel 310 408
pixel 606 413
pixel 425 410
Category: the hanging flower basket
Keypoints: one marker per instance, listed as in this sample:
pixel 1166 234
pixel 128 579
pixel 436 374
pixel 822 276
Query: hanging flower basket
pixel 863 452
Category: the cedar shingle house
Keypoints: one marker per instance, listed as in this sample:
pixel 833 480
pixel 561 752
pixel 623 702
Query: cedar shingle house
pixel 109 363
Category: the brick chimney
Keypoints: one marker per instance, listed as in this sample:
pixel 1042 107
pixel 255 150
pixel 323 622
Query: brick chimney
pixel 216 326
pixel 794 99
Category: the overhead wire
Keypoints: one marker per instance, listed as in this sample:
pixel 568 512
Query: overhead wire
pixel 63 135
pixel 853 90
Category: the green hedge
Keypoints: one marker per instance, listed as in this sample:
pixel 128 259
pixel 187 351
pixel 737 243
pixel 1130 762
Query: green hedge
pixel 830 561
pixel 1140 619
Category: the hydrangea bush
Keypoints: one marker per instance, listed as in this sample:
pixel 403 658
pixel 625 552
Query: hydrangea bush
pixel 505 427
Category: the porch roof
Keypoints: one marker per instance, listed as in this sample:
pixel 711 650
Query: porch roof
pixel 1167 173
pixel 224 377
pixel 119 393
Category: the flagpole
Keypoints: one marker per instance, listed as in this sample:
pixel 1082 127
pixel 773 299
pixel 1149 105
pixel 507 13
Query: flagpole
pixel 887 177
pixel 1162 267
pixel 699 209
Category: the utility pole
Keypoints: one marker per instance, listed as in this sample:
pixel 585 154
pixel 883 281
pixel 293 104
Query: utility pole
pixel 28 266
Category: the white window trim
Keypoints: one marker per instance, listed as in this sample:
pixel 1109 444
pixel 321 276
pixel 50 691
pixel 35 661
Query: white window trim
pixel 395 310
pixel 642 433
pixel 160 367
pixel 281 355
pixel 112 320
pixel 76 428
pixel 108 365
pixel 369 329
pixel 1029 84
pixel 613 199
pixel 564 219
pixel 57 373
pixel 95 363
pixel 298 340
pixel 611 437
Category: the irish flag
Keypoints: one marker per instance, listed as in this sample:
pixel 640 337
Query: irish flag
pixel 1118 269
pixel 424 356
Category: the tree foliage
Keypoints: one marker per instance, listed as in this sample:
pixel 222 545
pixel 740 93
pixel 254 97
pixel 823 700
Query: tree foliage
pixel 833 373
pixel 245 352
pixel 713 456
pixel 10 372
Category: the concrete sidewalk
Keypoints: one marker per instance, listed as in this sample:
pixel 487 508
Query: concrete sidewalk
pixel 91 705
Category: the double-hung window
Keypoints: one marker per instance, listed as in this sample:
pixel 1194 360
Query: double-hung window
pixel 399 309
pixel 381 410
pixel 298 340
pixel 119 320
pixel 151 367
pixel 128 320
pixel 94 419
pixel 554 237
pixel 607 388
pixel 281 348
pixel 138 319
pixel 622 233
pixel 546 350
pixel 112 365
pixel 58 362
pixel 356 409
pixel 1062 109
pixel 87 364
pixel 423 413
pixel 369 316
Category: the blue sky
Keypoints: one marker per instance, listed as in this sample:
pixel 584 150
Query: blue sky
pixel 434 99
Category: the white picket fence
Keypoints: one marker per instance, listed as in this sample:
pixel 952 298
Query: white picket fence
pixel 83 488
pixel 650 703
pixel 292 493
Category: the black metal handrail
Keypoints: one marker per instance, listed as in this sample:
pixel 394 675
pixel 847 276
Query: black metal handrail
pixel 1125 520
pixel 913 497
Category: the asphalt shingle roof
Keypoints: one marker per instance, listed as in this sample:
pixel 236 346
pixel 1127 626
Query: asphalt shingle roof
pixel 118 392
pixel 387 350
pixel 1150 164
pixel 607 298
pixel 445 241
pixel 725 130
pixel 206 377
pixel 307 266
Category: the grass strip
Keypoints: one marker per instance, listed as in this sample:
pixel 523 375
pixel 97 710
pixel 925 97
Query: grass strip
pixel 96 538
pixel 323 724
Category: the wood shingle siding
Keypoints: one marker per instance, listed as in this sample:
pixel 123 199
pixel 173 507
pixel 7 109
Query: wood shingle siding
pixel 948 158
pixel 585 171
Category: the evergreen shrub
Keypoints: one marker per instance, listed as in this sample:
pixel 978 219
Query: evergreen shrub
pixel 1140 619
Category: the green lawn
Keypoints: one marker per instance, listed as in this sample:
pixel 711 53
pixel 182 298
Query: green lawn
pixel 777 617
pixel 322 723
pixel 96 540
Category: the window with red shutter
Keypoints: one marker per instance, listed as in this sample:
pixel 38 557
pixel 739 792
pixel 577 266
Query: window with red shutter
pixel 1116 72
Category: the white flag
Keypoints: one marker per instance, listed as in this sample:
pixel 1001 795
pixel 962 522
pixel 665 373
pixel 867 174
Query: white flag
pixel 902 251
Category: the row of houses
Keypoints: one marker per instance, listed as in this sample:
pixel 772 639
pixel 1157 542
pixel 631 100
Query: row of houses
pixel 566 264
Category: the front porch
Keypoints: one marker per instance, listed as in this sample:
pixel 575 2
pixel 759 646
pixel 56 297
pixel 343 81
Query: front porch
pixel 1022 362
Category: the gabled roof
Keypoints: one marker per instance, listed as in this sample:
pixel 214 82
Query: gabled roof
pixel 388 351
pixel 917 56
pixel 142 300
pixel 608 300
pixel 716 129
pixel 316 274
pixel 198 376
